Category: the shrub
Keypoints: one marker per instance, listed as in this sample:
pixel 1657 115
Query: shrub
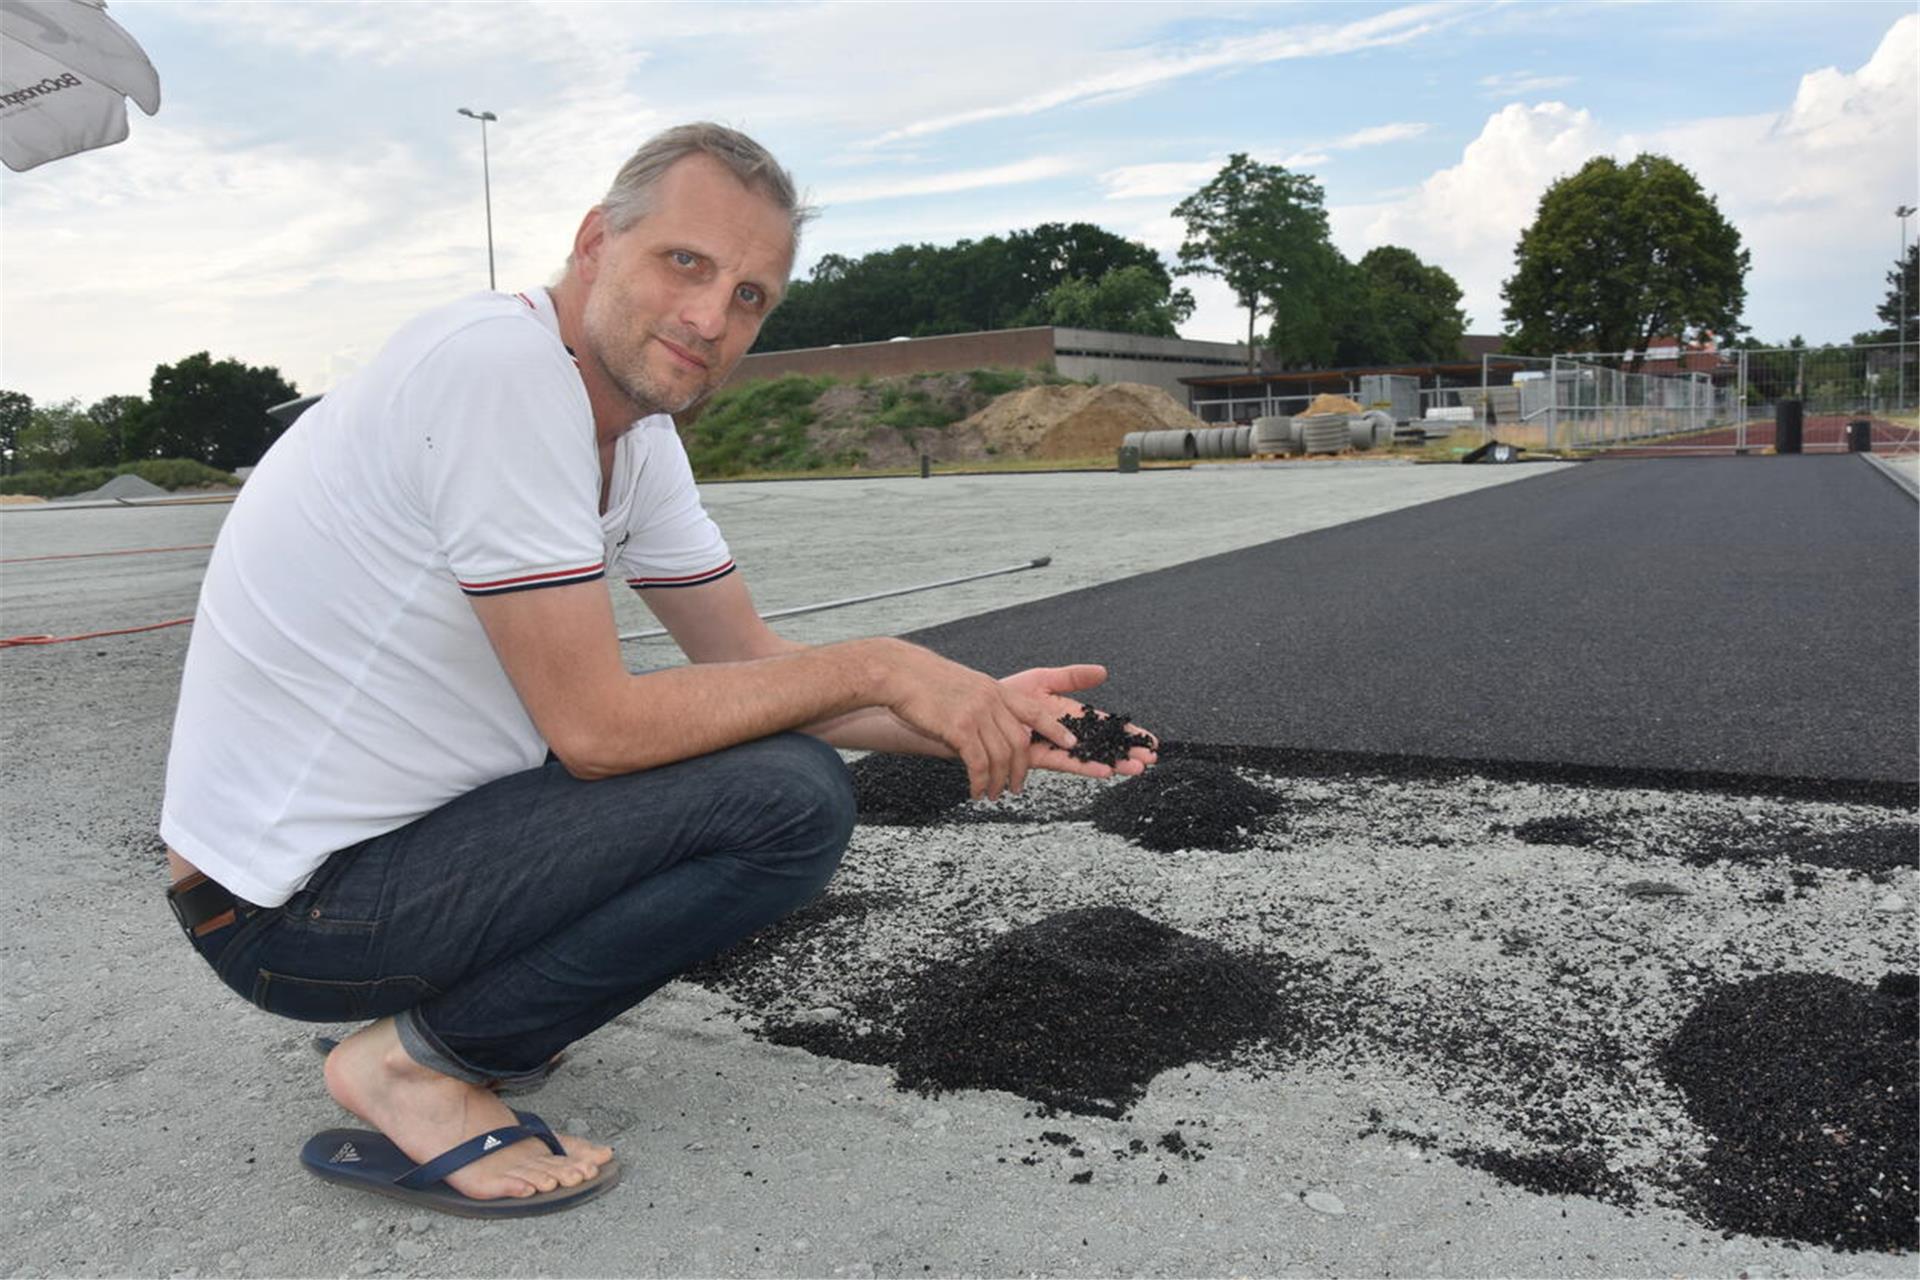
pixel 997 382
pixel 759 426
pixel 168 473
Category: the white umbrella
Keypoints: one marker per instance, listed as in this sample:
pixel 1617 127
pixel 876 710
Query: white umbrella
pixel 66 72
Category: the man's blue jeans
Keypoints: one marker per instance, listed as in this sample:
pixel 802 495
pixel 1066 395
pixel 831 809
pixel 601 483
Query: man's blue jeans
pixel 523 915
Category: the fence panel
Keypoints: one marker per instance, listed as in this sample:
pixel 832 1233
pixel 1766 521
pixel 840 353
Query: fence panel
pixel 1707 401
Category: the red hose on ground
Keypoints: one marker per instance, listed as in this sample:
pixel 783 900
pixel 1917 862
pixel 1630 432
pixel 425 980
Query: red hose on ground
pixel 12 642
pixel 90 555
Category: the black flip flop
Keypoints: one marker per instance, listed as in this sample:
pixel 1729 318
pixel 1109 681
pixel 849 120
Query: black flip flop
pixel 368 1161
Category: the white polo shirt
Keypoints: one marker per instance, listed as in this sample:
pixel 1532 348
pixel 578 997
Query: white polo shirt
pixel 338 683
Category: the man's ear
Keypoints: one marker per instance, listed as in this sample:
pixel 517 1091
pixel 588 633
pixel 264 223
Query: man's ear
pixel 587 243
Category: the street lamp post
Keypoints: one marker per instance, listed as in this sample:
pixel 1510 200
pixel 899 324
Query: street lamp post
pixel 486 179
pixel 1904 212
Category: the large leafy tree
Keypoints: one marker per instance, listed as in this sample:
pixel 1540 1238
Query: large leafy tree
pixel 1124 300
pixel 1621 254
pixel 1263 230
pixel 16 411
pixel 61 435
pixel 1903 278
pixel 914 290
pixel 213 411
pixel 1415 314
pixel 119 419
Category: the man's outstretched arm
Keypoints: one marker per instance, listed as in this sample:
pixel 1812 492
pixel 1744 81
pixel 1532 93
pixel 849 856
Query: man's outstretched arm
pixel 717 622
pixel 558 645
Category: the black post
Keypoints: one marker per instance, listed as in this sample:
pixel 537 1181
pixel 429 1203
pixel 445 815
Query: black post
pixel 1860 436
pixel 1788 421
pixel 926 466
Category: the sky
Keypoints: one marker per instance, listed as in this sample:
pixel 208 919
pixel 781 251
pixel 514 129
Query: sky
pixel 307 185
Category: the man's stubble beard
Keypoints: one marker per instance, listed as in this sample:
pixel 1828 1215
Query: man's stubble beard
pixel 637 383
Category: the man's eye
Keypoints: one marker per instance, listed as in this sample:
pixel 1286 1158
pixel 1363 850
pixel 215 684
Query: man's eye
pixel 681 258
pixel 751 296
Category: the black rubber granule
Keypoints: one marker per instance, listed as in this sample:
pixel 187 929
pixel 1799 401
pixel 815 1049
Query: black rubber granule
pixel 1807 1084
pixel 1184 804
pixel 1563 829
pixel 1082 1009
pixel 1875 851
pixel 907 791
pixel 1101 737
pixel 1571 1171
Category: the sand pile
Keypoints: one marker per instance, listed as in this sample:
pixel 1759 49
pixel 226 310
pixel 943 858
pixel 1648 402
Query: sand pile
pixel 130 487
pixel 1076 421
pixel 1332 404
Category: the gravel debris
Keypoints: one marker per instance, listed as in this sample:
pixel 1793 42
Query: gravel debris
pixel 1475 997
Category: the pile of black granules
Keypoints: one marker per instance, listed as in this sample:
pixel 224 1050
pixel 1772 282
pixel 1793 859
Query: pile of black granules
pixel 1102 738
pixel 1563 829
pixel 1082 1009
pixel 1806 1083
pixel 908 791
pixel 1185 804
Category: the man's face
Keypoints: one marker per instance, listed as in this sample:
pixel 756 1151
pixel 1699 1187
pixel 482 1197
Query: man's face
pixel 676 299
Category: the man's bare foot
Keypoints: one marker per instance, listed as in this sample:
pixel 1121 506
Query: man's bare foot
pixel 425 1113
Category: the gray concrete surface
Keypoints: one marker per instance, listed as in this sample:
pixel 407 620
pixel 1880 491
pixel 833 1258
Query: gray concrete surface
pixel 152 1119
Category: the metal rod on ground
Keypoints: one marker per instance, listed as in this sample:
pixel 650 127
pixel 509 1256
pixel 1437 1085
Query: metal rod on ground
pixel 1040 563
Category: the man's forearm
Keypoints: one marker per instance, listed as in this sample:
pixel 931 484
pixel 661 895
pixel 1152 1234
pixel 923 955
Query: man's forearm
pixel 682 712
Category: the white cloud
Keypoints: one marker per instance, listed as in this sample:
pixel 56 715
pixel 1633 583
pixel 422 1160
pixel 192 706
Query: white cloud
pixel 1034 170
pixel 1135 70
pixel 1378 135
pixel 1183 177
pixel 1811 189
pixel 1521 84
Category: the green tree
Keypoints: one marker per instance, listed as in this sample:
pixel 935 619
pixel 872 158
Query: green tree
pixel 1125 300
pixel 1415 315
pixel 1621 254
pixel 914 290
pixel 16 411
pixel 1903 278
pixel 119 418
pixel 213 411
pixel 60 436
pixel 1263 231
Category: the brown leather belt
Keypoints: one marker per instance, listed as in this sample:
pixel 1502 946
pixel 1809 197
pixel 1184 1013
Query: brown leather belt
pixel 202 905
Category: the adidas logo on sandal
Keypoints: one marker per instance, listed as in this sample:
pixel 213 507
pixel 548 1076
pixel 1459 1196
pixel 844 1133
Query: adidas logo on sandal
pixel 345 1155
pixel 491 1143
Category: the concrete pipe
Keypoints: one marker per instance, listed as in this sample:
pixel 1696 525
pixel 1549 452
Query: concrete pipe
pixel 1275 435
pixel 1164 445
pixel 1383 427
pixel 1243 442
pixel 1324 432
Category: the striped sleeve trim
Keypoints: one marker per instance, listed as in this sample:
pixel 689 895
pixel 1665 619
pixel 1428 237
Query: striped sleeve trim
pixel 527 582
pixel 685 580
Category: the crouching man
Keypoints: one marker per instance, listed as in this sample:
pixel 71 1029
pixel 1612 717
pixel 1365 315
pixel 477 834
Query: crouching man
pixel 412 780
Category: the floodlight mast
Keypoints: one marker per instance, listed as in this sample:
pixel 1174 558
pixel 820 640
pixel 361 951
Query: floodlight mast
pixel 486 179
pixel 1904 212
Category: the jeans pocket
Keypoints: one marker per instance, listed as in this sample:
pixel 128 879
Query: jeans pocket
pixel 325 1000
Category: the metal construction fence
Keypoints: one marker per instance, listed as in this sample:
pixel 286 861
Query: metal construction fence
pixel 1704 401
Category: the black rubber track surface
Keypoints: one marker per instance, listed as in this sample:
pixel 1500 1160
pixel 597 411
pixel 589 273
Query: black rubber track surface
pixel 1714 616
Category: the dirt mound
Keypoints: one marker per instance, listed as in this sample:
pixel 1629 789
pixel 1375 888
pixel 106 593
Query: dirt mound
pixel 1333 404
pixel 1076 421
